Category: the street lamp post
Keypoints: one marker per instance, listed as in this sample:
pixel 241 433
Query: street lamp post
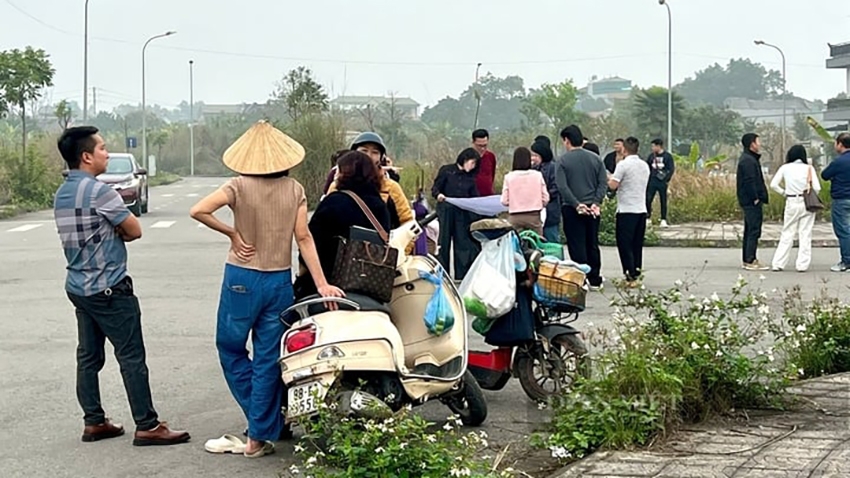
pixel 477 97
pixel 191 117
pixel 144 108
pixel 86 64
pixel 784 95
pixel 669 73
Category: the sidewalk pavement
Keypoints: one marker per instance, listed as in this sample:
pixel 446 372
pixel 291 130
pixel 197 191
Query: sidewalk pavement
pixel 813 441
pixel 729 234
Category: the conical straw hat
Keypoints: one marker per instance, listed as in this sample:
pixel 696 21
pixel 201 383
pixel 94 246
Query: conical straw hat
pixel 263 149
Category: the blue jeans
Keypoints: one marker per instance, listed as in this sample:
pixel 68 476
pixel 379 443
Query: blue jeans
pixel 552 233
pixel 251 302
pixel 841 226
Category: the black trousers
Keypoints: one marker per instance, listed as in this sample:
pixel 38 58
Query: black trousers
pixel 454 229
pixel 115 315
pixel 659 187
pixel 753 219
pixel 582 232
pixel 631 229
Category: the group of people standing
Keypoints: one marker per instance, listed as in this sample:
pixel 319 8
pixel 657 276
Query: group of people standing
pixel 542 193
pixel 794 180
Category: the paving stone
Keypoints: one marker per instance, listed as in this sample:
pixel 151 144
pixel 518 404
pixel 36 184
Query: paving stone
pixel 619 468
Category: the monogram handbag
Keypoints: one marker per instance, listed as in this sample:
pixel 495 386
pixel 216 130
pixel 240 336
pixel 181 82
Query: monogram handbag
pixel 810 196
pixel 366 266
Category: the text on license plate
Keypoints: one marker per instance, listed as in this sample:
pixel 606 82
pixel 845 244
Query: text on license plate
pixel 305 399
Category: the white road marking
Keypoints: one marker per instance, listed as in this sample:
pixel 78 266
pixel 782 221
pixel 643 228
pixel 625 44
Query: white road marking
pixel 163 224
pixel 193 195
pixel 25 228
pixel 167 195
pixel 202 226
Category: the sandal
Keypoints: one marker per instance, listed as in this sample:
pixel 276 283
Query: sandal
pixel 267 449
pixel 225 444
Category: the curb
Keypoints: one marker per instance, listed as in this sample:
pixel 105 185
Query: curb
pixel 734 243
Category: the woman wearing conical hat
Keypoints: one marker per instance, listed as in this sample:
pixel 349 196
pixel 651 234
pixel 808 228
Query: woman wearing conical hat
pixel 269 210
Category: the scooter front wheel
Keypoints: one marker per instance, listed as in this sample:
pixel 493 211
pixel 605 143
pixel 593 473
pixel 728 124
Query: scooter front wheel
pixel 469 403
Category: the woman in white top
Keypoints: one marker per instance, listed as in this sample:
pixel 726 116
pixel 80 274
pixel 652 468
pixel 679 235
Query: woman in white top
pixel 796 174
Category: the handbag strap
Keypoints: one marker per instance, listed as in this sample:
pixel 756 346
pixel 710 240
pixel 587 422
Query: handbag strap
pixel 371 217
pixel 809 179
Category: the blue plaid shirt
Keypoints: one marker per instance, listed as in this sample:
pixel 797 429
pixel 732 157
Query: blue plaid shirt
pixel 87 212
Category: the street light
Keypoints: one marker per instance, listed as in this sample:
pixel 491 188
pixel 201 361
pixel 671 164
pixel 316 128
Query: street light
pixel 669 73
pixel 144 109
pixel 784 95
pixel 86 64
pixel 191 117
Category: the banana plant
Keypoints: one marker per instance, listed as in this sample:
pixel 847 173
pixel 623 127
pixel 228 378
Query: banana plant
pixel 692 159
pixel 820 130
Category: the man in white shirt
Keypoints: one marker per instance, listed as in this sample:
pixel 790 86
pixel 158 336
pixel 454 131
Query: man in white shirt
pixel 630 180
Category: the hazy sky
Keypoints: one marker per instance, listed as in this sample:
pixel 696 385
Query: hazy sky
pixel 423 49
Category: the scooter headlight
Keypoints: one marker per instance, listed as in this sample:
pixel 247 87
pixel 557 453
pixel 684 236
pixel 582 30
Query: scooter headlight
pixel 331 352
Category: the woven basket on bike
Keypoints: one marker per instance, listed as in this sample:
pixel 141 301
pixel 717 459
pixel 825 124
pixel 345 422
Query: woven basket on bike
pixel 560 287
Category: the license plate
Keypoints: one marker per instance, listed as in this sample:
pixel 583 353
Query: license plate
pixel 305 399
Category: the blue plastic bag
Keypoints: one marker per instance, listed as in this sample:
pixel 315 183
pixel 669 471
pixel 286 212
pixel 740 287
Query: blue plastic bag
pixel 439 317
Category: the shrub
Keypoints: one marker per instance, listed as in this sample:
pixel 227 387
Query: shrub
pixel 31 182
pixel 815 337
pixel 403 445
pixel 608 226
pixel 668 360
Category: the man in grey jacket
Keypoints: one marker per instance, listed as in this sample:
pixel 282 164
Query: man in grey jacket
pixel 582 183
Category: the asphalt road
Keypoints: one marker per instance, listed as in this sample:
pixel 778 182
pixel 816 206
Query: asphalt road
pixel 177 267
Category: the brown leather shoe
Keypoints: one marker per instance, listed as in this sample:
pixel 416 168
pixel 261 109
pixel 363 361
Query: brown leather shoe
pixel 103 431
pixel 161 435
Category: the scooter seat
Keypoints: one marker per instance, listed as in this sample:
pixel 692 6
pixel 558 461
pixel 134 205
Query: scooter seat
pixel 367 304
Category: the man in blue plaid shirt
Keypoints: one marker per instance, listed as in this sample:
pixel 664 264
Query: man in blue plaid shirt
pixel 94 224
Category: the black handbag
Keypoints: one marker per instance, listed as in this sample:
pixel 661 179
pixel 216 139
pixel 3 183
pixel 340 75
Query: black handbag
pixel 810 196
pixel 363 265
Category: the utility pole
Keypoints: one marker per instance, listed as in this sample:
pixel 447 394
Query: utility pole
pixel 191 117
pixel 94 101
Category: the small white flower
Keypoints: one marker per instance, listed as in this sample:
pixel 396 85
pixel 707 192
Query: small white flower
pixel 694 346
pixel 294 470
pixel 431 439
pixel 380 450
pixel 299 448
pixel 801 328
pixel 460 472
pixel 679 283
pixel 706 347
pixel 762 278
pixel 715 297
pixel 541 405
pixel 801 372
pixel 590 325
pixel 312 460
pixel 559 452
pixel 718 354
pixel 448 427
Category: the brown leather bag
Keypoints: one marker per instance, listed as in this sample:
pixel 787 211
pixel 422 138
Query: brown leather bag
pixel 363 266
pixel 810 196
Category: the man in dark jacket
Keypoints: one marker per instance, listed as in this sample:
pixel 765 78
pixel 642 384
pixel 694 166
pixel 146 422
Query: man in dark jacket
pixel 838 173
pixel 752 196
pixel 661 169
pixel 546 166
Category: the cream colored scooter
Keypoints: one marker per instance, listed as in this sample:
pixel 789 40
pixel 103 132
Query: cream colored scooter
pixel 380 355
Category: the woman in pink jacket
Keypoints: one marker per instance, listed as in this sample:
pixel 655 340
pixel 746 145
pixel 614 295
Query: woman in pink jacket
pixel 524 193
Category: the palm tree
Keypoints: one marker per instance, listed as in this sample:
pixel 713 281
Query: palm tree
pixel 650 111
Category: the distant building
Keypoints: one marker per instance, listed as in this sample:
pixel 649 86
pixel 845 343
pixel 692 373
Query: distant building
pixel 212 111
pixel 407 107
pixel 599 96
pixel 770 111
pixel 839 109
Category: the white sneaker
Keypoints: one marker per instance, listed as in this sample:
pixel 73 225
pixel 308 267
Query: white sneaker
pixel 664 223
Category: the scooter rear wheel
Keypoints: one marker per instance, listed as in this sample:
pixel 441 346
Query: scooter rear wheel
pixel 567 361
pixel 469 403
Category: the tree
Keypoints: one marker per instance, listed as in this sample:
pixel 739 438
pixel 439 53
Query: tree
pixel 557 102
pixel 739 79
pixel 300 94
pixel 23 76
pixel 603 130
pixel 502 100
pixel 650 111
pixel 802 130
pixel 711 127
pixel 390 127
pixel 63 114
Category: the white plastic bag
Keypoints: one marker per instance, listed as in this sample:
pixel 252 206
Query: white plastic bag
pixel 489 288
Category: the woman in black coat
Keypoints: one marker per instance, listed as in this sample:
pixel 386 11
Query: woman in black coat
pixel 457 181
pixel 338 212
